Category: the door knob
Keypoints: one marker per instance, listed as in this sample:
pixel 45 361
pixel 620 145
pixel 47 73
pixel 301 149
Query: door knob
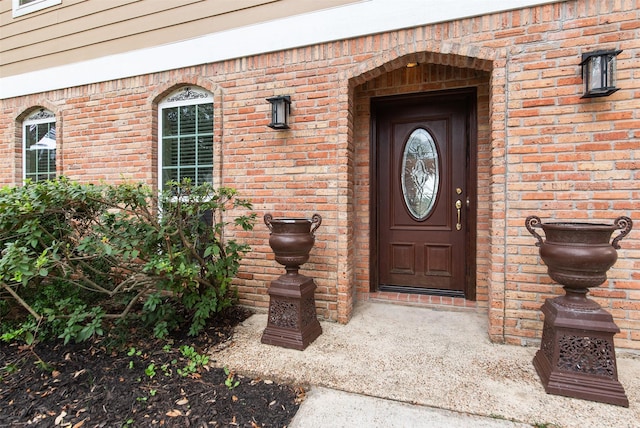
pixel 458 208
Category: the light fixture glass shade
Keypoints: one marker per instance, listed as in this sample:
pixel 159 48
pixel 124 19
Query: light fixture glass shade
pixel 280 107
pixel 598 73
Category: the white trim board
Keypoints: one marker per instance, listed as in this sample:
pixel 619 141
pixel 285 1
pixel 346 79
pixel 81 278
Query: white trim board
pixel 343 22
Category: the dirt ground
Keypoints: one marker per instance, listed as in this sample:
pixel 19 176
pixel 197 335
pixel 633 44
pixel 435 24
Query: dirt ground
pixel 144 382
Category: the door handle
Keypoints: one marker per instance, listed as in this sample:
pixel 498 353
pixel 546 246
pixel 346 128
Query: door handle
pixel 458 207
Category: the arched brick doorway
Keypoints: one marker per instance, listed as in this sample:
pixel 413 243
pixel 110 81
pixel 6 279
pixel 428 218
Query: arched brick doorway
pixel 433 72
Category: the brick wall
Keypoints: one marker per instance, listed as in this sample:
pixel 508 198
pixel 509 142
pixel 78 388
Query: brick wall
pixel 542 149
pixel 567 157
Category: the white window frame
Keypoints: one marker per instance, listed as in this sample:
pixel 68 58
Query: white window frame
pixel 37 118
pixel 34 6
pixel 185 96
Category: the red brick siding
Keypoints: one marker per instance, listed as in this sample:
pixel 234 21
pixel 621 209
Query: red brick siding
pixel 541 148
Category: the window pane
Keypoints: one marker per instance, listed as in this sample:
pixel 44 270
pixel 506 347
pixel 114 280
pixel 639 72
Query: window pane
pixel 170 148
pixel 187 120
pixel 170 122
pixel 205 150
pixel 205 175
pixel 189 173
pixel 169 175
pixel 31 158
pixel 188 155
pixel 31 135
pixel 205 119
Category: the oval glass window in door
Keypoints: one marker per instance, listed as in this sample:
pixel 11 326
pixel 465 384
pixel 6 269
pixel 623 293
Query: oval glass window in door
pixel 420 173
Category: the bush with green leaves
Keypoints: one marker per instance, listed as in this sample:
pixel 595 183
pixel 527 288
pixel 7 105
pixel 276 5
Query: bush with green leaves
pixel 74 255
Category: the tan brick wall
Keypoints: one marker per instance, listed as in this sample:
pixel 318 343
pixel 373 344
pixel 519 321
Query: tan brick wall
pixel 541 148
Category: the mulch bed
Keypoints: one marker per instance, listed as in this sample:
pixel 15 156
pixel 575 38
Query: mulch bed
pixel 93 385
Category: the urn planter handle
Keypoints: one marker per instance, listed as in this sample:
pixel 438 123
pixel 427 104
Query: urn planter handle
pixel 531 222
pixel 316 220
pixel 267 221
pixel 625 224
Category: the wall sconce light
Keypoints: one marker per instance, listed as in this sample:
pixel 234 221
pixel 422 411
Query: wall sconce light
pixel 280 108
pixel 599 73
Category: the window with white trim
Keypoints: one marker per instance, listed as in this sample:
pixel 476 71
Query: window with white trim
pixel 23 7
pixel 185 137
pixel 39 146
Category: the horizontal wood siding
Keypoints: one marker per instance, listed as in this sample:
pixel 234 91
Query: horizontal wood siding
pixel 78 30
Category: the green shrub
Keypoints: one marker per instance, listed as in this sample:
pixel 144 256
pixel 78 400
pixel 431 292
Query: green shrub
pixel 74 255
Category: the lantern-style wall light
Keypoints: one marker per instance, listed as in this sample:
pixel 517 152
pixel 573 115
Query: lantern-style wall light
pixel 599 73
pixel 280 107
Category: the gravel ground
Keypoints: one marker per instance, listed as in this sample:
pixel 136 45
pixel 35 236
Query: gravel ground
pixel 429 357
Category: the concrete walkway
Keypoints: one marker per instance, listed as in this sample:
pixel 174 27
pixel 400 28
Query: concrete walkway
pixel 397 366
pixel 329 407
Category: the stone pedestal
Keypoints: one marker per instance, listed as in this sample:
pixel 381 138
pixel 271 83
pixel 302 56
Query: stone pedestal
pixel 292 321
pixel 577 356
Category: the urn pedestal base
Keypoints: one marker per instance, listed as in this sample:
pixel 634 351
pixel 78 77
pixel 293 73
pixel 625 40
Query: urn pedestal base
pixel 292 319
pixel 576 356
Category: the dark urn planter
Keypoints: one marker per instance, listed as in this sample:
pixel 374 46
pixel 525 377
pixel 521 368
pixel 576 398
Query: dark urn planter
pixel 292 321
pixel 577 356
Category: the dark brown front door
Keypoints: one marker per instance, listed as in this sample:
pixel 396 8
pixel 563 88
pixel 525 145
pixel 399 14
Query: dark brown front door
pixel 423 172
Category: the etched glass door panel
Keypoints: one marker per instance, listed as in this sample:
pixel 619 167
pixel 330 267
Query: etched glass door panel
pixel 420 173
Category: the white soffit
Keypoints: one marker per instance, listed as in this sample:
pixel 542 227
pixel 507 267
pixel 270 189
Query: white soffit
pixel 343 22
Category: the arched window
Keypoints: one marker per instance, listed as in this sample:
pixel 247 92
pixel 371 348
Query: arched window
pixel 185 137
pixel 39 146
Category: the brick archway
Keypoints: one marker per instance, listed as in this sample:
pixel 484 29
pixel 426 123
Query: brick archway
pixel 440 66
